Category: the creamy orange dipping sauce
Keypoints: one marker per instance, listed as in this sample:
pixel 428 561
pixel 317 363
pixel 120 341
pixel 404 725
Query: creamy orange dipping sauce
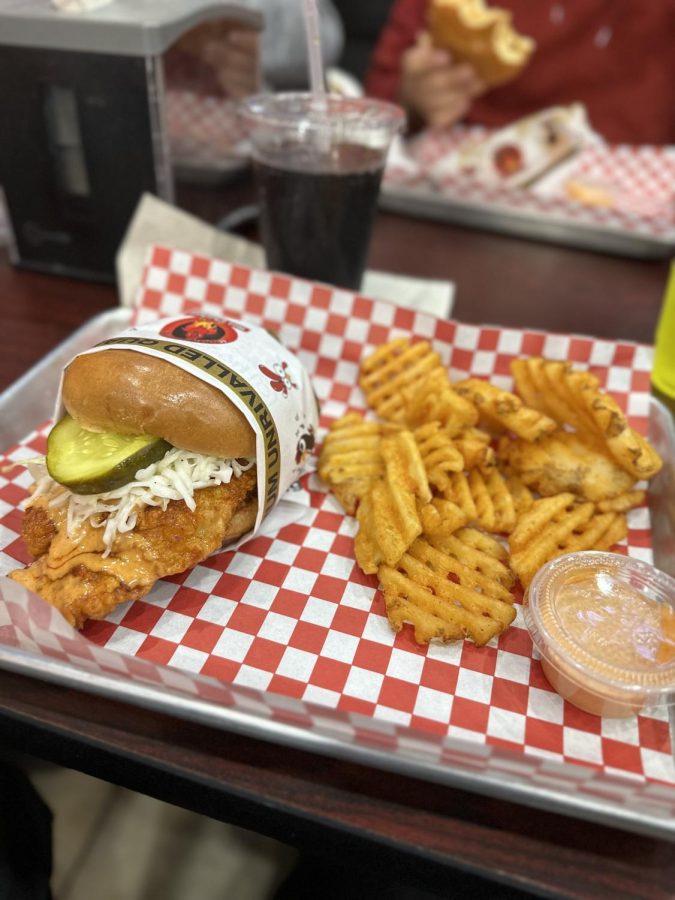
pixel 613 621
pixel 605 631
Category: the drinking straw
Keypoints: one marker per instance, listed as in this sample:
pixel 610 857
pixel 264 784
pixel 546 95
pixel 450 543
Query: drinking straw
pixel 314 54
pixel 318 106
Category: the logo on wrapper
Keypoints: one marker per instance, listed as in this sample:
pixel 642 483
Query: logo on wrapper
pixel 305 445
pixel 203 330
pixel 280 379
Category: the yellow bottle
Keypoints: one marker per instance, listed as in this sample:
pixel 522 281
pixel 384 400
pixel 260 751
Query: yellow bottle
pixel 663 375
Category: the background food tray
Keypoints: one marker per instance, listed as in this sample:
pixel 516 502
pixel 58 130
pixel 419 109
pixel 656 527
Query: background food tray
pixel 36 641
pixel 425 201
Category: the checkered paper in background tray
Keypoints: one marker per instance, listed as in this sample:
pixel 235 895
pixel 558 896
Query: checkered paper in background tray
pixel 292 622
pixel 205 129
pixel 641 180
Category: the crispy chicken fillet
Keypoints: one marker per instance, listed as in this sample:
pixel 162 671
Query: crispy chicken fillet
pixel 38 529
pixel 74 576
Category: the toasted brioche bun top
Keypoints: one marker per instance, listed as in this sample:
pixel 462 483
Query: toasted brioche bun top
pixel 128 392
pixel 482 36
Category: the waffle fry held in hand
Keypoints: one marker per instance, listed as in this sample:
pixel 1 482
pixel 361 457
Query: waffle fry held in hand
pixel 460 488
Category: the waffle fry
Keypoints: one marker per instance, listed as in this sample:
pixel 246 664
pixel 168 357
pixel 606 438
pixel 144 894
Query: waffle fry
pixel 366 547
pixel 542 385
pixel 572 386
pixel 520 494
pixel 446 558
pixel 601 532
pixel 504 410
pixel 459 491
pixel 480 559
pixel 629 448
pixel 429 490
pixel 433 399
pixel 473 539
pixel 404 466
pixel 575 398
pixel 420 591
pixel 350 458
pixel 557 525
pixel 391 370
pixel 531 525
pixel 495 511
pixel 388 514
pixel 388 524
pixel 623 502
pixel 441 518
pixel 439 454
pixel 474 445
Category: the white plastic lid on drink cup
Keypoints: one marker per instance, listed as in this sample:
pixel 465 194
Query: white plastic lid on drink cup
pixel 604 625
pixel 276 122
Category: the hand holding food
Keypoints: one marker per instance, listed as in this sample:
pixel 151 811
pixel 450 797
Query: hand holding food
pixel 481 36
pixel 218 56
pixel 435 86
pixel 235 57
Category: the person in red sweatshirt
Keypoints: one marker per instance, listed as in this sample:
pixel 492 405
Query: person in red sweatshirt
pixel 614 56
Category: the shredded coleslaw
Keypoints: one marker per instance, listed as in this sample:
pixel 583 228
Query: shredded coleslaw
pixel 174 477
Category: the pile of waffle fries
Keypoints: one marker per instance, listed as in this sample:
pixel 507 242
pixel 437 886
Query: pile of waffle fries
pixel 460 489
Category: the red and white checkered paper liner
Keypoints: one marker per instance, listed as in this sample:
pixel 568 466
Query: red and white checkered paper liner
pixel 641 179
pixel 204 129
pixel 291 618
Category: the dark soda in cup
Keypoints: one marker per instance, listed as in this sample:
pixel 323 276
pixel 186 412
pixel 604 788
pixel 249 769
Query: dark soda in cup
pixel 318 173
pixel 316 218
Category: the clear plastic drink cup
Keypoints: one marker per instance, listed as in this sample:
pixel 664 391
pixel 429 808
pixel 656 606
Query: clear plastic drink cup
pixel 318 169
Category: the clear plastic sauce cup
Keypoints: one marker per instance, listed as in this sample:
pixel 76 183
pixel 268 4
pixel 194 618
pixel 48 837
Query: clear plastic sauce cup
pixel 604 625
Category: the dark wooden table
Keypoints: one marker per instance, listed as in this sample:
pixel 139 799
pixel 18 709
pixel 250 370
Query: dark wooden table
pixel 499 280
pixel 420 833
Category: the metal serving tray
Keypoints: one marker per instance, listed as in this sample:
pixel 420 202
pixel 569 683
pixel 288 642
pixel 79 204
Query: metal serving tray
pixel 428 203
pixel 563 788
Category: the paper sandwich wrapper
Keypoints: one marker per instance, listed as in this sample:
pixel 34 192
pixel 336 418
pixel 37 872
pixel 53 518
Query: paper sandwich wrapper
pixel 253 369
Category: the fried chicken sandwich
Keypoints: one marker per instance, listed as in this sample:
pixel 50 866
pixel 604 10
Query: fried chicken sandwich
pixel 150 471
pixel 482 36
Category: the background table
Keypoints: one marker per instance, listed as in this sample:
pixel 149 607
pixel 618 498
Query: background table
pixel 422 833
pixel 499 280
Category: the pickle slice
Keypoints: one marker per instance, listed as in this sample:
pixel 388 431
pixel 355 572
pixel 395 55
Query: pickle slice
pixel 92 462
